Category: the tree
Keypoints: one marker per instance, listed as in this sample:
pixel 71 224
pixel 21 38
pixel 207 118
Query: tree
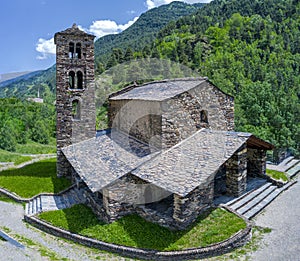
pixel 7 139
pixel 128 56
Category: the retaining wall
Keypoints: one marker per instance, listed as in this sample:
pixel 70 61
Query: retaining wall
pixel 237 240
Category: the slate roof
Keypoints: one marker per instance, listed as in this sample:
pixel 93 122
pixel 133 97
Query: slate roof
pixel 160 90
pixel 102 160
pixel 189 164
pixel 193 162
pixel 74 30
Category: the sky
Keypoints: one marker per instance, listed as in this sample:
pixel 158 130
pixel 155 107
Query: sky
pixel 27 26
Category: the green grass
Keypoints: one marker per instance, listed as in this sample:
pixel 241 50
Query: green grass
pixel 36 148
pixel 6 156
pixel 5 198
pixel 33 179
pixel 278 175
pixel 215 226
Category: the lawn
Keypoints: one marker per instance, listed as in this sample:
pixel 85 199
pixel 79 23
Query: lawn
pixel 6 156
pixel 278 175
pixel 33 179
pixel 215 226
pixel 36 148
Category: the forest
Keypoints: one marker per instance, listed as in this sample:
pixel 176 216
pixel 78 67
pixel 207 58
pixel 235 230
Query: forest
pixel 21 121
pixel 249 48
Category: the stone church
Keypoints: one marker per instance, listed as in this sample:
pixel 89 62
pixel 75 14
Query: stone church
pixel 169 150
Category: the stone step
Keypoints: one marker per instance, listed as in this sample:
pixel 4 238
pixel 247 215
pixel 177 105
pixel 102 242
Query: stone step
pixel 262 204
pixel 256 200
pixel 285 161
pixel 39 204
pixel 33 209
pixel 27 208
pixel 293 171
pixel 291 164
pixel 244 199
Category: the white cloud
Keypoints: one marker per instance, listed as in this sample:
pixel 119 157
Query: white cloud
pixel 99 28
pixel 103 27
pixel 46 48
pixel 155 3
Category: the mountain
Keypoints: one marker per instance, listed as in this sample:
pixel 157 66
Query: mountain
pixel 29 85
pixel 142 32
pixel 8 76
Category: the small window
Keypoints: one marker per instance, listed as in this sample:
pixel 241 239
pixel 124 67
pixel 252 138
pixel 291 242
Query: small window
pixel 79 80
pixel 76 110
pixel 78 51
pixel 72 80
pixel 71 50
pixel 203 116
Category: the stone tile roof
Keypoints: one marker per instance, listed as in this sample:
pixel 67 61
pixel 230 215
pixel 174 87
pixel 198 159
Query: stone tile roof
pixel 160 90
pixel 74 30
pixel 102 160
pixel 193 162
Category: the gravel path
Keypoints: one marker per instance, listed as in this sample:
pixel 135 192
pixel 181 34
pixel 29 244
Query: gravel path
pixel 283 217
pixel 11 217
pixel 283 243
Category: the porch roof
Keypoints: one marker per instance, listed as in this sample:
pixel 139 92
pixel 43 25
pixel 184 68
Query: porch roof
pixel 102 160
pixel 193 162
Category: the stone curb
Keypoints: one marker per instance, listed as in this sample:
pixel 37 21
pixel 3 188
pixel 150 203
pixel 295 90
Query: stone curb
pixel 26 200
pixel 33 160
pixel 237 240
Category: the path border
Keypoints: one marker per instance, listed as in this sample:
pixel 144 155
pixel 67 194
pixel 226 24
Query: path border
pixel 237 240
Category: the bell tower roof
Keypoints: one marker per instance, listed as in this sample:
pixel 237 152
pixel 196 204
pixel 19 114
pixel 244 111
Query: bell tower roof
pixel 74 31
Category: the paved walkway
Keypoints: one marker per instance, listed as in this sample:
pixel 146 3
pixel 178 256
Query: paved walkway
pixel 283 217
pixel 11 217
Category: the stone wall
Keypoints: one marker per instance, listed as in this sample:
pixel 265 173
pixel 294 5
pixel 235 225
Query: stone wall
pixel 237 240
pixel 256 162
pixel 69 129
pixel 140 119
pixel 187 209
pixel 236 172
pixel 165 123
pixel 181 115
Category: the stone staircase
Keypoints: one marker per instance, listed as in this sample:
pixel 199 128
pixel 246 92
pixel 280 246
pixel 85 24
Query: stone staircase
pixel 48 202
pixel 252 202
pixel 290 166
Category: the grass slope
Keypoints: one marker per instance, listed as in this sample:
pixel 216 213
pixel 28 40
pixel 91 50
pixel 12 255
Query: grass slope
pixel 214 226
pixel 33 179
pixel 278 175
pixel 16 158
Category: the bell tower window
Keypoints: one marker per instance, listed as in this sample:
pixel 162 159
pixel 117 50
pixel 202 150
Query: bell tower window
pixel 72 80
pixel 78 51
pixel 71 50
pixel 79 80
pixel 76 110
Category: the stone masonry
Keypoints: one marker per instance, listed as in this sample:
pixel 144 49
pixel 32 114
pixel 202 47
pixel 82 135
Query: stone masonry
pixel 165 118
pixel 75 105
pixel 236 172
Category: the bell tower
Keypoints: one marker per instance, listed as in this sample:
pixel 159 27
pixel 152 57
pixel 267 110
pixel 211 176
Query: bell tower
pixel 75 91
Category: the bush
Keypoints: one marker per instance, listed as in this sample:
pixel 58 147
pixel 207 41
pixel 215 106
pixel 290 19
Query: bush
pixel 7 139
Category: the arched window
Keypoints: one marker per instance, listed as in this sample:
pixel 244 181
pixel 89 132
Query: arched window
pixel 71 50
pixel 203 116
pixel 72 80
pixel 76 110
pixel 78 51
pixel 79 80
